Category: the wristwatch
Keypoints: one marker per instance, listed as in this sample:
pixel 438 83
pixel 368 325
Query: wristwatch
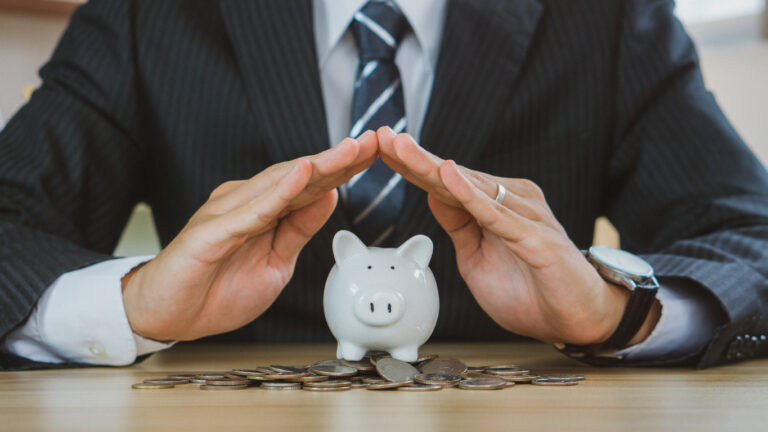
pixel 630 271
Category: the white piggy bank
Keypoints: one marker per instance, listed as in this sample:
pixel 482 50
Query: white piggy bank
pixel 379 298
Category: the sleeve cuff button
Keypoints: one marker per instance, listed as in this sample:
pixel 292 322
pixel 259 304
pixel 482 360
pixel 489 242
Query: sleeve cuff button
pixel 97 350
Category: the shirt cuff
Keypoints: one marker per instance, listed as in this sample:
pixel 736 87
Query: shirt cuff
pixel 688 322
pixel 81 318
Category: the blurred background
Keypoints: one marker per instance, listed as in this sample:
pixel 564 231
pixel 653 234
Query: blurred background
pixel 732 37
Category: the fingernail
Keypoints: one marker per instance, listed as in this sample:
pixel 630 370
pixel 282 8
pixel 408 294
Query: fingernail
pixel 391 131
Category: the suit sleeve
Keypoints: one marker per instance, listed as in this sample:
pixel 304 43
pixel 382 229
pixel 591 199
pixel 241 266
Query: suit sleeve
pixel 70 163
pixel 683 189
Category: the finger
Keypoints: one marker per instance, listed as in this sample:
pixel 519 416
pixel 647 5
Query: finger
pixel 494 217
pixel 322 183
pixel 389 155
pixel 369 147
pixel 298 227
pixel 419 162
pixel 327 168
pixel 323 164
pixel 458 224
pixel 487 183
pixel 334 160
pixel 523 197
pixel 387 152
pixel 260 213
pixel 526 207
pixel 366 155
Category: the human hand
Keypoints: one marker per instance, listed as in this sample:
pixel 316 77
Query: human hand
pixel 238 251
pixel 516 258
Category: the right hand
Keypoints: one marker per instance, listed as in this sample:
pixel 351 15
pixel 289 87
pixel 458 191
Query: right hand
pixel 239 250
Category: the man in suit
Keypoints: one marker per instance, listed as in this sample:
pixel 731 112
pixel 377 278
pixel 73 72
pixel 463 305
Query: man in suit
pixel 525 120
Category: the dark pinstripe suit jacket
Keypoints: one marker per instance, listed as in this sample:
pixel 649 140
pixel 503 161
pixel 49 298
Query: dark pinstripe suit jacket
pixel 600 102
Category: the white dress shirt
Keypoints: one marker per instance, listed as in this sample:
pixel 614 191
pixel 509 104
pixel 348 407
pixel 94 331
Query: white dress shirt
pixel 81 316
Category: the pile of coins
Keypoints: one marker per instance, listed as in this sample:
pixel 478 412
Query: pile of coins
pixel 376 371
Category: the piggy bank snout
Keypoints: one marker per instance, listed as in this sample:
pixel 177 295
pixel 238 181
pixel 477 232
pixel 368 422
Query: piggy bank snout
pixel 380 307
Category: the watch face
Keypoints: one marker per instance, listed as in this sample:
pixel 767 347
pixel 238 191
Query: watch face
pixel 622 261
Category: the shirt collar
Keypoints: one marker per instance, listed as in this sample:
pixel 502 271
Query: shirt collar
pixel 426 17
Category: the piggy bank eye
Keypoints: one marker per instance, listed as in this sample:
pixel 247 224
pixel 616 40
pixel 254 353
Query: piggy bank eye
pixel 392 267
pixel 369 267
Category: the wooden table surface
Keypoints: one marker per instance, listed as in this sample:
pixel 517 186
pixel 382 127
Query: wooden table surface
pixel 731 398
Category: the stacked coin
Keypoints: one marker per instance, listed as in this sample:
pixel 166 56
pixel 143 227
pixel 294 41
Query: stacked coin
pixel 376 371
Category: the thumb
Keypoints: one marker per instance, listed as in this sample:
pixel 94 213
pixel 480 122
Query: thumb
pixel 459 224
pixel 296 229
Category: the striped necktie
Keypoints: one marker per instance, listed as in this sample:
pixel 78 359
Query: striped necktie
pixel 374 198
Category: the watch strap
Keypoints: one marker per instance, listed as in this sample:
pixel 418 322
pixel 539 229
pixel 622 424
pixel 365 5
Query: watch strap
pixel 636 312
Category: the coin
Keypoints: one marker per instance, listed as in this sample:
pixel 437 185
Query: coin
pixel 245 372
pixel 443 365
pixel 147 386
pixel 288 369
pixel 439 379
pixel 394 370
pixel 257 378
pixel 373 381
pixel 182 376
pixel 327 389
pixel 363 365
pixel 507 371
pixel 333 362
pixel 329 383
pixel 374 358
pixel 518 378
pixel 387 385
pixel 282 375
pixel 172 381
pixel 470 375
pixel 553 382
pixel 420 387
pixel 425 357
pixel 312 378
pixel 281 386
pixel 223 387
pixel 482 384
pixel 564 377
pixel 227 382
pixel 210 376
pixel 333 370
pixel 377 371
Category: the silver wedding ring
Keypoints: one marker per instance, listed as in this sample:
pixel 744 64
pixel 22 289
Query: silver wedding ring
pixel 501 192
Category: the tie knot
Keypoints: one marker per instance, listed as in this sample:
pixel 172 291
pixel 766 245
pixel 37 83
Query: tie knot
pixel 379 26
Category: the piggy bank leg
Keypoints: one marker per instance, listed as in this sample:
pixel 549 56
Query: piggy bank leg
pixel 349 351
pixel 405 353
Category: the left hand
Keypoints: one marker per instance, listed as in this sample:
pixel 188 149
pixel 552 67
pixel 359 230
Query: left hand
pixel 516 258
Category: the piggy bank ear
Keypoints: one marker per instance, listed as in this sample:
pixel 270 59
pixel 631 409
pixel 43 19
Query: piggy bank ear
pixel 417 248
pixel 346 244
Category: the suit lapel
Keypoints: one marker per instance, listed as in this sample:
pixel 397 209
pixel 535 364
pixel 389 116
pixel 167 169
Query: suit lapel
pixel 484 45
pixel 274 43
